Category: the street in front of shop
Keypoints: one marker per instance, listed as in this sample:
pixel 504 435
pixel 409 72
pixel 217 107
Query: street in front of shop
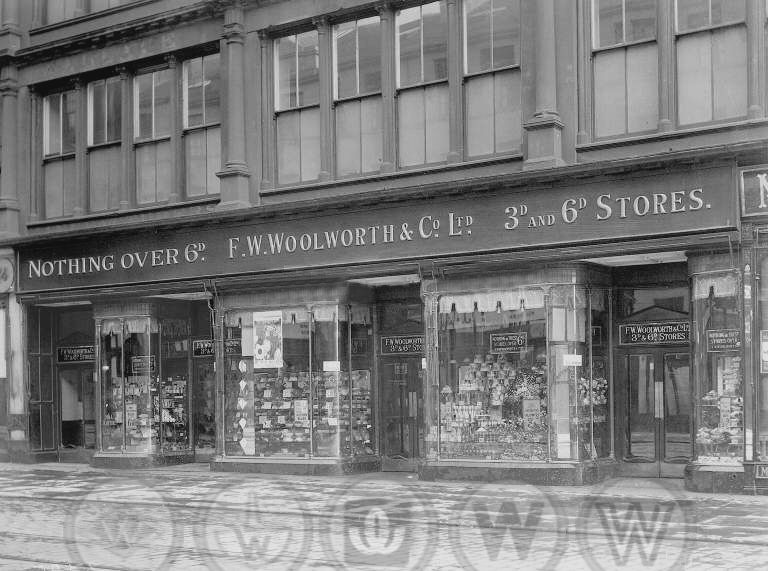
pixel 60 516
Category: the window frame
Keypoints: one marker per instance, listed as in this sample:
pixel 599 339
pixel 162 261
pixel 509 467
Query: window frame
pixel 359 95
pixel 709 26
pixel 276 72
pixel 595 28
pixel 421 83
pixel 90 110
pixel 466 74
pixel 60 153
pixel 185 126
pixel 154 137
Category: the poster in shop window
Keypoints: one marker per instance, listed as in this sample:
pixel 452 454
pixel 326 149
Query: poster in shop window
pixel 267 339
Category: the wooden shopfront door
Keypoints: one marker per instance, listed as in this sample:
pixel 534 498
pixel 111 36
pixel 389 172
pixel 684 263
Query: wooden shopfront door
pixel 654 409
pixel 402 402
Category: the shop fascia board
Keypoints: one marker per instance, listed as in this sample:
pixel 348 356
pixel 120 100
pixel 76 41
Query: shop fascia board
pixel 572 175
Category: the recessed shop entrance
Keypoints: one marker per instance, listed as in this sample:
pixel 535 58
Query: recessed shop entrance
pixel 400 348
pixel 655 387
pixel 653 391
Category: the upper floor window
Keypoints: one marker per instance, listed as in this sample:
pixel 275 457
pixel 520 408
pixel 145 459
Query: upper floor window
pixel 59 112
pixel 202 91
pixel 104 111
pixel 297 95
pixel 152 124
pixel 625 67
pixel 711 49
pixel 421 44
pixel 623 22
pixel 104 159
pixel 357 91
pixel 202 114
pixel 59 129
pixel 694 15
pixel 152 107
pixel 493 83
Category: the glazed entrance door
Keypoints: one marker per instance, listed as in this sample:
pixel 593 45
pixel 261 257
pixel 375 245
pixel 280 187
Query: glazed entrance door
pixel 657 400
pixel 400 405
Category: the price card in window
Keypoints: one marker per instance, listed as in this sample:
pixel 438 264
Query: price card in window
pixel 287 393
pixel 301 410
pixel 267 393
pixel 280 419
pixel 333 421
pixel 266 405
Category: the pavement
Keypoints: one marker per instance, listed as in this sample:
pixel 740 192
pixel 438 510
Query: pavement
pixel 73 516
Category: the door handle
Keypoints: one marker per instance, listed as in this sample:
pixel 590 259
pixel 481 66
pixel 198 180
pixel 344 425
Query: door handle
pixel 659 399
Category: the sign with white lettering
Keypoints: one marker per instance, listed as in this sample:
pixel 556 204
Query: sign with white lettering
pixel 662 204
pixel 143 364
pixel 508 342
pixel 657 333
pixel 754 191
pixel 761 471
pixel 79 354
pixel 204 347
pixel 402 344
pixel 719 340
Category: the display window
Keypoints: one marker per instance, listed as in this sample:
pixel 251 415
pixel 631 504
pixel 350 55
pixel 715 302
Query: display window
pixel 128 364
pixel 298 382
pixel 719 383
pixel 521 376
pixel 144 385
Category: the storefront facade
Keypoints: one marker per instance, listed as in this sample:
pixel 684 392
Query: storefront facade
pixel 562 333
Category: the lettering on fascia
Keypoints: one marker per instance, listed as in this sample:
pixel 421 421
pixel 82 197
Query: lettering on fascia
pixel 607 207
pixel 191 253
pixel 277 243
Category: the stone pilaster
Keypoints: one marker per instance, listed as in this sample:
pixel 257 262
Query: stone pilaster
pixel 235 175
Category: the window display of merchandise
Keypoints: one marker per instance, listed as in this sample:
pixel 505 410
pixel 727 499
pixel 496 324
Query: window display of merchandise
pixel 514 378
pixel 294 404
pixel 173 420
pixel 145 385
pixel 360 439
pixel 499 410
pixel 719 377
pixel 720 436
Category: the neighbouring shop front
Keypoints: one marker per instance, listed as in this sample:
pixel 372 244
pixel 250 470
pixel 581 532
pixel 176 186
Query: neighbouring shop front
pixel 558 335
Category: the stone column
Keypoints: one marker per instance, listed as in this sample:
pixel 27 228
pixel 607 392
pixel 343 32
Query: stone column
pixel 266 112
pixel 235 188
pixel 82 179
pixel 544 129
pixel 18 423
pixel 177 151
pixel 666 42
pixel 756 59
pixel 128 154
pixel 388 87
pixel 455 87
pixel 324 41
pixel 9 198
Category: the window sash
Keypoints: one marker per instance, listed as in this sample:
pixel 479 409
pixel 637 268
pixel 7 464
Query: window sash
pixel 58 129
pixel 496 33
pixel 715 15
pixel 152 115
pixel 416 17
pixel 632 30
pixel 353 29
pixel 99 115
pixel 202 73
pixel 297 77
